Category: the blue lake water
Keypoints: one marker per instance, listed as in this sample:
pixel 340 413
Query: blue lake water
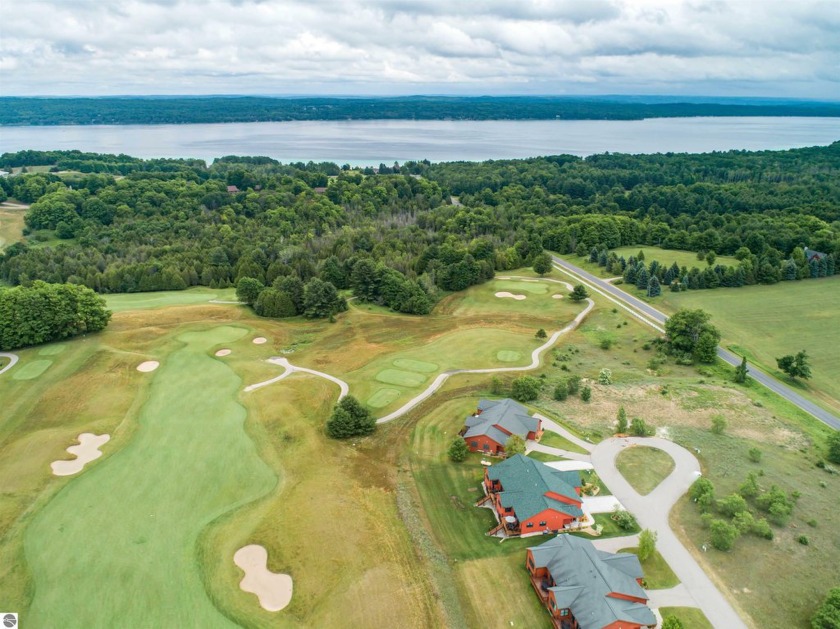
pixel 370 142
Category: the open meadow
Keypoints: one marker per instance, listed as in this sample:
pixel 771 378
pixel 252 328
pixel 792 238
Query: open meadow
pixel 766 322
pixel 374 532
pixel 11 223
pixel 665 257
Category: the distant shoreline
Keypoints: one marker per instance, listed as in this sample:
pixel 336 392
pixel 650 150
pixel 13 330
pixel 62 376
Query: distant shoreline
pixel 156 110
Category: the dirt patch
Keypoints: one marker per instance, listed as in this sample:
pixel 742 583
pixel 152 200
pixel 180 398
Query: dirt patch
pixel 274 591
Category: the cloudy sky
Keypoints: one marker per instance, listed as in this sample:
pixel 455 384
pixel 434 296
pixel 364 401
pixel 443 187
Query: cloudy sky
pixel 700 47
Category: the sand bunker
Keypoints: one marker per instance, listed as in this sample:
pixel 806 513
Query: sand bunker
pixel 223 352
pixel 260 340
pixel 149 365
pixel 85 452
pixel 511 295
pixel 273 590
pixel 558 296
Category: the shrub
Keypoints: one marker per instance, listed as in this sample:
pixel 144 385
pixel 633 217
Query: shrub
pixel 777 503
pixel 812 524
pixel 515 445
pixel 647 544
pixel 541 334
pixel 671 622
pixel 561 391
pixel 750 488
pixel 732 505
pixel 718 424
pixel 573 384
pixel 834 448
pixel 605 376
pixel 458 450
pixel 703 493
pixel 827 615
pixel 723 534
pixel 525 388
pixel 761 528
pixel 624 519
pixel 606 343
pixel 350 419
pixel 640 428
pixel 744 521
pixel 755 455
pixel 622 420
pixel 586 393
pixel 803 539
pixel 496 386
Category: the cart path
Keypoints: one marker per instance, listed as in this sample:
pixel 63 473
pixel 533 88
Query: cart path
pixel 652 512
pixel 289 369
pixel 535 359
pixel 13 358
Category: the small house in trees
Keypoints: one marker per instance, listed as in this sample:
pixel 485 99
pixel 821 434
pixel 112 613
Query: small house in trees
pixel 232 189
pixel 531 498
pixel 586 588
pixel 493 423
pixel 811 255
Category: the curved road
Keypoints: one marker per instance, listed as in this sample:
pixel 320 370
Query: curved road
pixel 652 512
pixel 13 358
pixel 289 369
pixel 654 318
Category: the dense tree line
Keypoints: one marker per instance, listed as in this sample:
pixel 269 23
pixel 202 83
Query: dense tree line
pixel 31 315
pixel 393 236
pixel 211 109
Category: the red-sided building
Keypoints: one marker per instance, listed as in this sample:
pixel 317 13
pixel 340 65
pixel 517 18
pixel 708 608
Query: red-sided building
pixel 494 422
pixel 586 588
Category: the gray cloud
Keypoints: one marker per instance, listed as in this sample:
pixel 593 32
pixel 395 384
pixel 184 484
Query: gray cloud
pixel 760 47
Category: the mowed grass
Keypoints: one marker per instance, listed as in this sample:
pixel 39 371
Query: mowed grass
pixel 490 576
pixel 330 522
pixel 658 574
pixel 163 299
pixel 555 440
pixel 665 257
pixel 144 508
pixel 691 617
pixel 767 322
pixel 644 467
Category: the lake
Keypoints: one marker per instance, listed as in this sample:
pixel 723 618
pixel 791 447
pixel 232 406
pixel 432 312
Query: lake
pixel 369 142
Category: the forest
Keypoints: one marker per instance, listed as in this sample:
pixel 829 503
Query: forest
pixel 183 110
pixel 395 236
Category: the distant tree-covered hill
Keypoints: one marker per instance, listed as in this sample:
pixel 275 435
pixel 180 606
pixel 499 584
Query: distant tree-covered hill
pixel 183 110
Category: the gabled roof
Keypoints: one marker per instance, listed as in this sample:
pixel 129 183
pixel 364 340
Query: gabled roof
pixel 810 254
pixel 525 483
pixel 585 578
pixel 506 415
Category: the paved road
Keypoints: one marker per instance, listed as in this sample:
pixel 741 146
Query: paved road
pixel 653 317
pixel 652 512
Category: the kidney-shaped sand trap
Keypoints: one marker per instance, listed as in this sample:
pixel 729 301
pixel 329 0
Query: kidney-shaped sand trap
pixel 223 352
pixel 504 293
pixel 260 340
pixel 85 452
pixel 273 590
pixel 149 365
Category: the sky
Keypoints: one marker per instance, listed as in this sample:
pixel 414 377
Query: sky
pixel 771 48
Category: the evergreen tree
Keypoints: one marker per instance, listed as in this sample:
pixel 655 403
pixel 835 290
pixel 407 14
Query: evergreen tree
pixel 579 293
pixel 622 420
pixel 642 277
pixel 741 371
pixel 458 450
pixel 653 288
pixel 350 419
pixel 593 255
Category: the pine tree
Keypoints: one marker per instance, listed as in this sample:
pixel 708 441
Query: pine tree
pixel 642 277
pixel 622 420
pixel 741 371
pixel 654 289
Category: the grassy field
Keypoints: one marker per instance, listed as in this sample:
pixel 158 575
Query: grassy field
pixel 691 617
pixel 658 574
pixel 554 440
pixel 644 467
pixel 665 257
pixel 766 322
pixel 163 299
pixel 153 524
pixel 11 224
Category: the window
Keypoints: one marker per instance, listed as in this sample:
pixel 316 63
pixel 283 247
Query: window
pixel 486 446
pixel 473 444
pixel 542 523
pixel 531 562
pixel 564 612
pixel 530 525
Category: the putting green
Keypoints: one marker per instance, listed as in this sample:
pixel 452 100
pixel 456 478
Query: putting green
pixel 415 365
pixel 383 397
pixel 508 356
pixel 31 370
pixel 401 378
pixel 117 547
pixel 52 350
pixel 515 286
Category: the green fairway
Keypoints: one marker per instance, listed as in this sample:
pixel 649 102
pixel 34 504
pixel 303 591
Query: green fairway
pixel 31 370
pixel 401 378
pixel 508 356
pixel 644 467
pixel 52 350
pixel 534 287
pixel 117 546
pixel 161 299
pixel 415 365
pixel 767 322
pixel 383 397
